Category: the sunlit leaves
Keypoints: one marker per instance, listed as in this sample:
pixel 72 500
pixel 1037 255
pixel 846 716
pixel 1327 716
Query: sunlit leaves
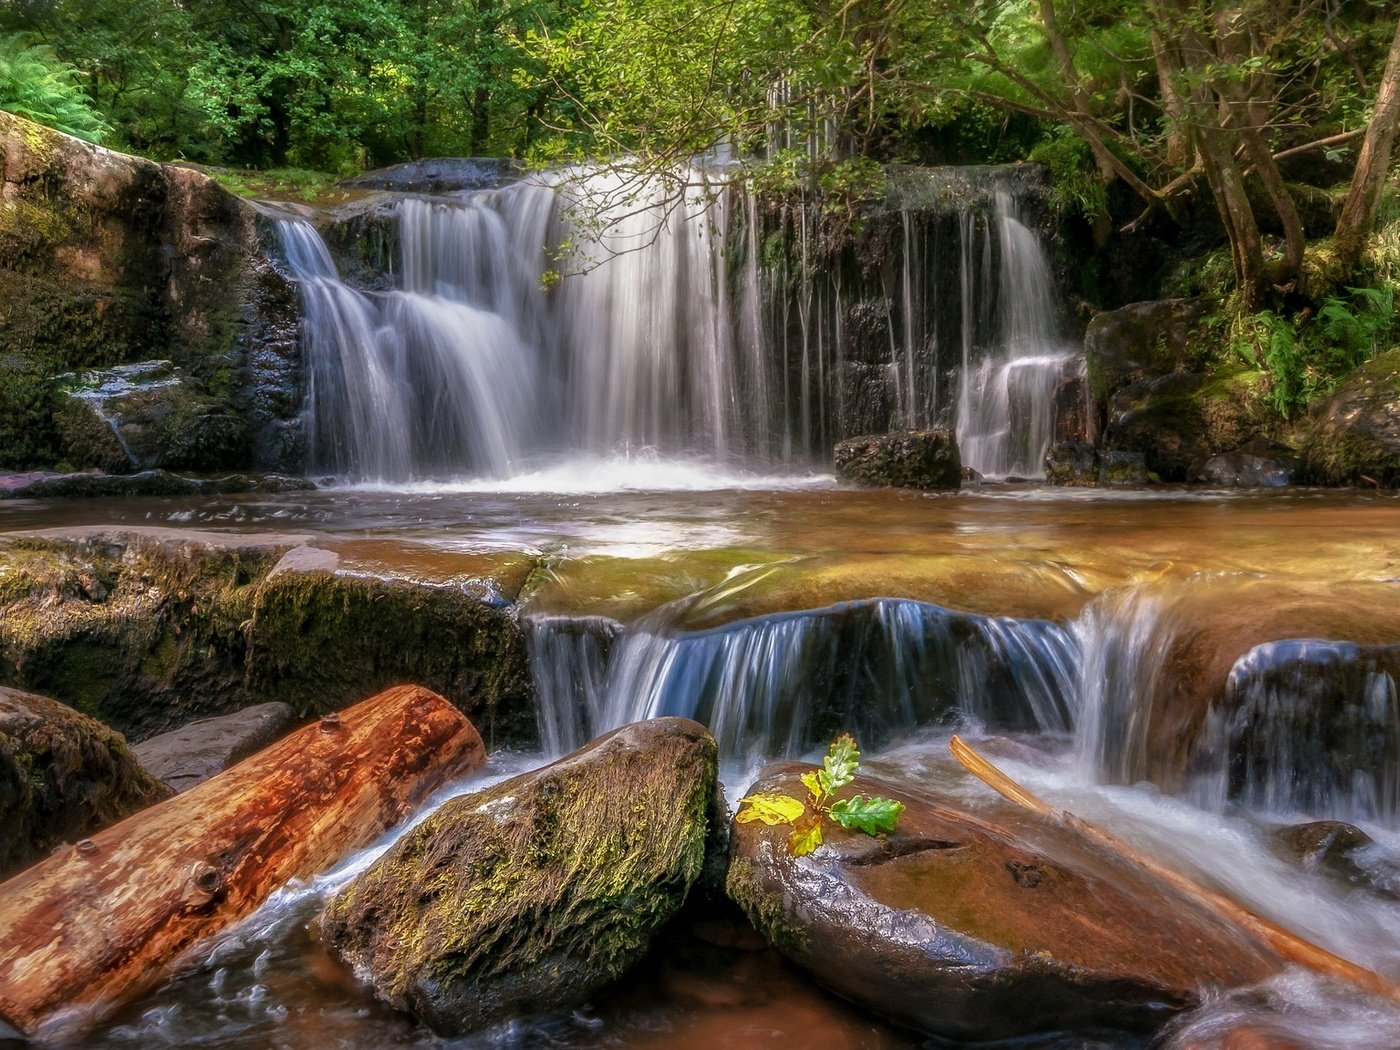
pixel 769 809
pixel 873 816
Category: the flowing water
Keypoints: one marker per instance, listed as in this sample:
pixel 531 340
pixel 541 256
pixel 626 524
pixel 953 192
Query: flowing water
pixel 592 313
pixel 1155 662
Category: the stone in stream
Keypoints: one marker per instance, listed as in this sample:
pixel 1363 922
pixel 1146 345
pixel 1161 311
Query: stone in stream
pixel 62 776
pixel 195 752
pixel 1255 464
pixel 533 894
pixel 907 459
pixel 1073 463
pixel 982 924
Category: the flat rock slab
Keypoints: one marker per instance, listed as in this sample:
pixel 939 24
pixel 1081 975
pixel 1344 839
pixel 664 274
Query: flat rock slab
pixel 193 753
pixel 983 924
pixel 535 893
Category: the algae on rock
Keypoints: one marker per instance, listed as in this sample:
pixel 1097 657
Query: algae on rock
pixel 533 894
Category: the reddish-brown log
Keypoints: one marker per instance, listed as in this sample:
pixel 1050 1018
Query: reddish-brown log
pixel 101 922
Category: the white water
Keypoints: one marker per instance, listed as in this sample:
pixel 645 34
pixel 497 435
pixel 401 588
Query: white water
pixel 1005 413
pixel 598 318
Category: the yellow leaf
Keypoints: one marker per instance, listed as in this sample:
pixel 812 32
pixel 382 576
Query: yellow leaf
pixel 805 838
pixel 814 785
pixel 771 809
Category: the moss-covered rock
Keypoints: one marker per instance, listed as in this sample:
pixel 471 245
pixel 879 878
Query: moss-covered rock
pixel 1073 463
pixel 907 459
pixel 1178 421
pixel 149 631
pixel 981 923
pixel 1140 341
pixel 62 777
pixel 534 894
pixel 1357 439
pixel 106 259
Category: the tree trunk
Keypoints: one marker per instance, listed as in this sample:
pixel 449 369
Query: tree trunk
pixel 98 924
pixel 1359 211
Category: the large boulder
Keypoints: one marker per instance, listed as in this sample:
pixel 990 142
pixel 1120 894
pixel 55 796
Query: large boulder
pixel 1256 464
pixel 1180 420
pixel 108 259
pixel 146 415
pixel 907 459
pixel 534 894
pixel 195 752
pixel 982 925
pixel 1357 439
pixel 1141 341
pixel 62 777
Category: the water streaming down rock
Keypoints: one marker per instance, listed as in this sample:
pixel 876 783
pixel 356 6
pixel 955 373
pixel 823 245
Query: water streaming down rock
pixel 1005 417
pixel 596 312
pixel 779 684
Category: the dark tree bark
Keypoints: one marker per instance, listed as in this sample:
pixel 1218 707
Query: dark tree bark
pixel 1359 211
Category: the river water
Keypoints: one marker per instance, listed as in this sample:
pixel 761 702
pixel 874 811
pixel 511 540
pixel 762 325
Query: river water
pixel 1106 641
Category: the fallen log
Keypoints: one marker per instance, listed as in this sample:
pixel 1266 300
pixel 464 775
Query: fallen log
pixel 99 923
pixel 1286 943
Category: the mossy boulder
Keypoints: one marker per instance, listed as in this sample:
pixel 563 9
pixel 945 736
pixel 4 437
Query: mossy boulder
pixel 982 923
pixel 1180 420
pixel 1357 439
pixel 108 259
pixel 534 894
pixel 143 416
pixel 1072 463
pixel 1141 341
pixel 906 459
pixel 150 630
pixel 62 776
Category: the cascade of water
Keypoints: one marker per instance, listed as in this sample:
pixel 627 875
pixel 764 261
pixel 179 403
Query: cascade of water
pixel 777 684
pixel 1005 415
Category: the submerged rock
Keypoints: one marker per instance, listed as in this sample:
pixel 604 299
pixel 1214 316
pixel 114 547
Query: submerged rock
pixel 909 459
pixel 62 776
pixel 1256 464
pixel 89 484
pixel 193 753
pixel 532 895
pixel 1342 851
pixel 982 925
pixel 1357 440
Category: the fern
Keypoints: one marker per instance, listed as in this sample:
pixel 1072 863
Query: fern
pixel 37 85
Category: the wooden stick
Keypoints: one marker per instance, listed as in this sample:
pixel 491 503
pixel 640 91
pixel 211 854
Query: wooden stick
pixel 101 922
pixel 1287 944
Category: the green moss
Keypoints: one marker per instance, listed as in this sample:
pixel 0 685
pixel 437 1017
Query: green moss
pixel 765 909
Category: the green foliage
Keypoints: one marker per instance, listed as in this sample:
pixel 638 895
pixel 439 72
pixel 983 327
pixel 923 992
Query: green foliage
pixel 1074 183
pixel 874 816
pixel 36 84
pixel 1306 355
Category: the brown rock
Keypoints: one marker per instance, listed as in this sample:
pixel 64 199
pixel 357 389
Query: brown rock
pixel 978 926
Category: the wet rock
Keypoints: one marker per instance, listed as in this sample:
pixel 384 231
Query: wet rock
pixel 532 895
pixel 1122 470
pixel 1180 420
pixel 1257 464
pixel 146 415
pixel 1076 415
pixel 438 175
pixel 193 753
pixel 1357 439
pixel 914 459
pixel 150 631
pixel 62 776
pixel 90 484
pixel 982 925
pixel 1342 851
pixel 1141 341
pixel 108 259
pixel 1072 463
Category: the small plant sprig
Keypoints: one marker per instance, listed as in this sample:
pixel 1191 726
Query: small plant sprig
pixel 872 816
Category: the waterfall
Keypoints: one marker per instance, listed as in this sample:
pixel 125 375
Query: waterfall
pixel 595 313
pixel 779 684
pixel 1005 418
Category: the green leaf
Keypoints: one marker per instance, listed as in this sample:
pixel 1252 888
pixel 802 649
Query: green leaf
pixel 770 809
pixel 839 766
pixel 872 815
pixel 805 838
